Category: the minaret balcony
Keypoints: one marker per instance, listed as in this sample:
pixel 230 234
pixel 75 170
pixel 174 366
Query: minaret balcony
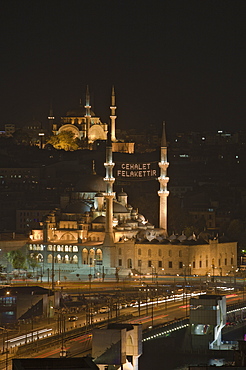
pixel 109 164
pixel 163 180
pixel 162 193
pixel 163 165
pixel 109 179
pixel 109 195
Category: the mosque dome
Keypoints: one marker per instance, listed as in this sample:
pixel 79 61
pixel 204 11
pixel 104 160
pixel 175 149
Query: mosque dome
pixel 91 183
pixel 77 207
pixel 182 237
pixel 99 195
pixel 141 218
pixel 99 220
pixel 122 194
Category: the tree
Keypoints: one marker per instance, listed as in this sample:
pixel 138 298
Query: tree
pixel 33 261
pixel 21 137
pixel 17 259
pixel 65 140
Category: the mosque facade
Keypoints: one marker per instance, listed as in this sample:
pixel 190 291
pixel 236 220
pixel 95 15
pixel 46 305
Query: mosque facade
pixel 96 232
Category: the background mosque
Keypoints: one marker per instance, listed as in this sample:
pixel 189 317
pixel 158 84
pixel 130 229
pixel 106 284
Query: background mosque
pixel 88 127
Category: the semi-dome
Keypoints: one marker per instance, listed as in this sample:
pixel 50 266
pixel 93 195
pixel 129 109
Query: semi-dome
pixel 99 220
pixel 119 208
pixel 91 183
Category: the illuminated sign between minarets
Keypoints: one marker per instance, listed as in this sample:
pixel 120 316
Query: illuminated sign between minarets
pixel 163 180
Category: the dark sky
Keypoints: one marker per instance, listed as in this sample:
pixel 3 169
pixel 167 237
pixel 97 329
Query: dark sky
pixel 179 61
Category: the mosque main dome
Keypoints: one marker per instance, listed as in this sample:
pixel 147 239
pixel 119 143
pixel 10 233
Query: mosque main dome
pixel 91 183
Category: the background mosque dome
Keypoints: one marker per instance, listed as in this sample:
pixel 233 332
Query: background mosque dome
pixel 78 207
pixel 91 183
pixel 78 112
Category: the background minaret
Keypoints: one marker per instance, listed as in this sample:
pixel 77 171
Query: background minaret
pixel 109 195
pixel 51 120
pixel 163 180
pixel 87 111
pixel 113 116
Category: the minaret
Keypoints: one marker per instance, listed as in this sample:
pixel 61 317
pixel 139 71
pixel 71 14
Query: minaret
pixel 51 120
pixel 113 116
pixel 109 195
pixel 87 111
pixel 163 180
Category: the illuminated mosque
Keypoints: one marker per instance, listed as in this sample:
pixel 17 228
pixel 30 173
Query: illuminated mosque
pixel 97 232
pixel 87 127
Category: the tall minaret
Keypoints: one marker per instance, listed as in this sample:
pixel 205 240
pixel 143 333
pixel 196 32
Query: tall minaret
pixel 87 111
pixel 109 195
pixel 163 180
pixel 113 116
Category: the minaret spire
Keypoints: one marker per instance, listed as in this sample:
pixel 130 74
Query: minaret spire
pixel 163 180
pixel 113 116
pixel 87 111
pixel 109 195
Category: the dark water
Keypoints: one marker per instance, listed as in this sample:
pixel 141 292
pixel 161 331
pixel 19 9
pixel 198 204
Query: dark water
pixel 170 353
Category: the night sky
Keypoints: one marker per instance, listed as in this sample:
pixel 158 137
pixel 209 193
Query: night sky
pixel 179 61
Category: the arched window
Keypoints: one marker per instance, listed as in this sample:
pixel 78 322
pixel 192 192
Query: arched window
pixel 58 248
pixel 40 257
pixel 75 248
pixel 66 248
pixel 75 259
pixel 66 258
pixel 99 255
pixel 49 258
pixel 58 258
pixel 91 256
pixel 85 256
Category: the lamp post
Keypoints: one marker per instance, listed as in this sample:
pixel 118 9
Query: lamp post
pixel 53 269
pixel 213 267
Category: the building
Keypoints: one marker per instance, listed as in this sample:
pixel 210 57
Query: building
pixel 207 319
pixel 97 232
pixel 120 345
